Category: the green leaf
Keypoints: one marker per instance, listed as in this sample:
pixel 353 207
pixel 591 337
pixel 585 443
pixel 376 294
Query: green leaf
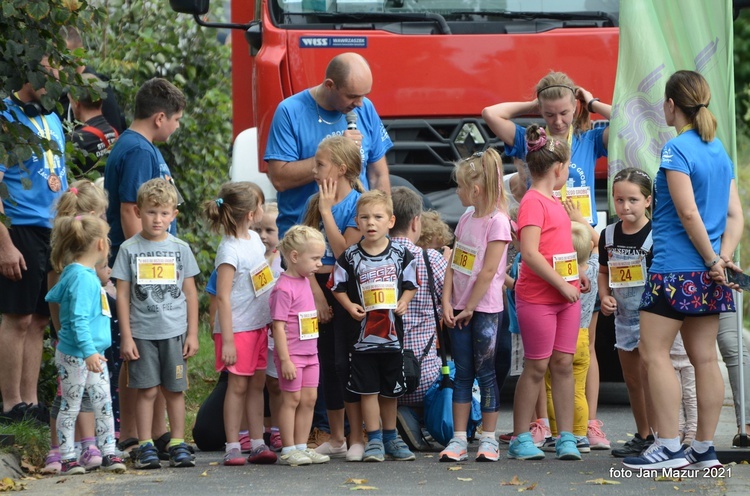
pixel 24 152
pixel 37 9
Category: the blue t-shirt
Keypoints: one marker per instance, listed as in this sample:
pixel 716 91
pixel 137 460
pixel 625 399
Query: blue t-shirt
pixel 132 161
pixel 586 149
pixel 344 214
pixel 296 133
pixel 211 284
pixel 33 206
pixel 711 172
pixel 84 326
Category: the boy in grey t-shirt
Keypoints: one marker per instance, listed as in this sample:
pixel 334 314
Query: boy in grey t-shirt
pixel 158 308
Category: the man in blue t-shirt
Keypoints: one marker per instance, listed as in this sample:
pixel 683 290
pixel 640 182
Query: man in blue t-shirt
pixel 135 159
pixel 33 189
pixel 303 120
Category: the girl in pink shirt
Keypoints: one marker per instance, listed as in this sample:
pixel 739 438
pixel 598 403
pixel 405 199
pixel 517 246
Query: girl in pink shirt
pixel 295 334
pixel 473 298
pixel 547 293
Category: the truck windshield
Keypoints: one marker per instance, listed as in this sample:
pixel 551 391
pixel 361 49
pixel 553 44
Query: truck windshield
pixel 320 11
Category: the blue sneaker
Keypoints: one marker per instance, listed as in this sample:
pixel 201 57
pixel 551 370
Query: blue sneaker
pixel 396 449
pixel 565 447
pixel 702 460
pixel 658 456
pixel 374 451
pixel 147 457
pixel 583 445
pixel 180 456
pixel 522 448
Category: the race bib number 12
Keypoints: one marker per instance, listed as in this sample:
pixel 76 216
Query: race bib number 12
pixel 156 270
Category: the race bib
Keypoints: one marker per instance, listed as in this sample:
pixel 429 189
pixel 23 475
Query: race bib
pixel 379 296
pixel 308 325
pixel 581 198
pixel 464 257
pixel 566 265
pixel 106 311
pixel 262 279
pixel 156 270
pixel 627 273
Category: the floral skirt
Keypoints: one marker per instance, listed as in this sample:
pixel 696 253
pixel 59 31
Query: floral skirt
pixel 689 293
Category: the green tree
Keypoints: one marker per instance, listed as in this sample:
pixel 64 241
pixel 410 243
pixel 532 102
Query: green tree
pixel 136 40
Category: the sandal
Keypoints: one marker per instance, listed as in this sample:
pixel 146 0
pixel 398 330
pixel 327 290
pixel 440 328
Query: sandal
pixel 127 443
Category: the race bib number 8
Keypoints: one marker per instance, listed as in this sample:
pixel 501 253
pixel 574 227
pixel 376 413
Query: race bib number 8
pixel 106 311
pixel 262 279
pixel 308 325
pixel 464 257
pixel 626 274
pixel 156 270
pixel 566 265
pixel 379 296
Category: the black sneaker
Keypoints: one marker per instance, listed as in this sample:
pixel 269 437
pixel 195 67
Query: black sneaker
pixel 634 447
pixel 38 413
pixel 111 463
pixel 71 467
pixel 15 414
pixel 180 456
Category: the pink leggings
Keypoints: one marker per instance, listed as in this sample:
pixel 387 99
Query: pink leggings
pixel 548 327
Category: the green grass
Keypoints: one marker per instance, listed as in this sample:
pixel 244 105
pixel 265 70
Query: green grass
pixel 31 441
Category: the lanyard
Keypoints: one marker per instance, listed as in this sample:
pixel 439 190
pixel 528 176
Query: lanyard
pixel 50 162
pixel 686 128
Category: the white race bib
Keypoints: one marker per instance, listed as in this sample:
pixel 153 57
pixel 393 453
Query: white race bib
pixel 106 311
pixel 308 325
pixel 262 279
pixel 464 257
pixel 627 273
pixel 566 265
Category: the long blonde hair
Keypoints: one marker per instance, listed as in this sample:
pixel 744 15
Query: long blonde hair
pixel 485 170
pixel 343 152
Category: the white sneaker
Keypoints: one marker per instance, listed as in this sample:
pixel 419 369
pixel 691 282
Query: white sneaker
pixel 328 449
pixel 316 457
pixel 295 458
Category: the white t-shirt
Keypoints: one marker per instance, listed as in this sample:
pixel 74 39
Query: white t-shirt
pixel 249 313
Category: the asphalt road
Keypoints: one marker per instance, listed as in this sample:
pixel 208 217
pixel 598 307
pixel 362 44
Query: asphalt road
pixel 598 473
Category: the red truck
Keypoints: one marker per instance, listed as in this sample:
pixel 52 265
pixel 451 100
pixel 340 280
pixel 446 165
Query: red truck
pixel 435 63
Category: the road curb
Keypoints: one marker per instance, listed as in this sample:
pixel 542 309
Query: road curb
pixel 10 466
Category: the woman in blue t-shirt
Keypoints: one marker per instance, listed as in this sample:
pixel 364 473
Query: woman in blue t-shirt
pixel 697 226
pixel 566 109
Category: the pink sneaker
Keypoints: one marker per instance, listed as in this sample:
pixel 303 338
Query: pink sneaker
pixel 597 439
pixel 276 441
pixel 539 432
pixel 52 463
pixel 91 458
pixel 245 444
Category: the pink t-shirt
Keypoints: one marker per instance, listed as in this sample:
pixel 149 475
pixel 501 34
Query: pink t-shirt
pixel 472 237
pixel 555 239
pixel 290 297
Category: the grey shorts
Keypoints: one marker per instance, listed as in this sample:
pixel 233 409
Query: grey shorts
pixel 160 364
pixel 86 406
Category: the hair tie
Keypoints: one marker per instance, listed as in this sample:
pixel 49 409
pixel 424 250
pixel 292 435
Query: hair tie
pixel 555 86
pixel 219 202
pixel 701 105
pixel 73 190
pixel 79 217
pixel 533 146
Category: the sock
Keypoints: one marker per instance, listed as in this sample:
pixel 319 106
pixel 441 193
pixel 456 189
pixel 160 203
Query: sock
pixel 77 446
pixel 373 435
pixel 274 429
pixel 545 421
pixel 389 435
pixel 244 433
pixel 301 447
pixel 54 449
pixel 231 446
pixel 487 435
pixel 88 441
pixel 287 449
pixel 460 435
pixel 701 447
pixel 256 443
pixel 672 444
pixel 145 442
pixel 175 441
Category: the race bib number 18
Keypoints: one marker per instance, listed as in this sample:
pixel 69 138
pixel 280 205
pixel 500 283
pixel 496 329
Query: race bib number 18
pixel 463 258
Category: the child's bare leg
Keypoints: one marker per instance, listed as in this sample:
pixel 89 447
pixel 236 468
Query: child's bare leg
pixel 527 394
pixel 304 414
pixel 128 400
pixel 85 425
pixel 563 389
pixel 235 402
pixel 144 411
pixel 175 402
pixel 159 421
pixel 254 404
pixel 287 417
pixel 632 372
pixel 274 399
pixel 388 407
pixel 592 378
pixel 371 412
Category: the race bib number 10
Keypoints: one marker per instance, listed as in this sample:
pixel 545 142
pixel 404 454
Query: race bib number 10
pixel 379 296
pixel 156 270
pixel 566 265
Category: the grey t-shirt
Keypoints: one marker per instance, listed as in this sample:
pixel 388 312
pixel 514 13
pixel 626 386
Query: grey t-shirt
pixel 158 309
